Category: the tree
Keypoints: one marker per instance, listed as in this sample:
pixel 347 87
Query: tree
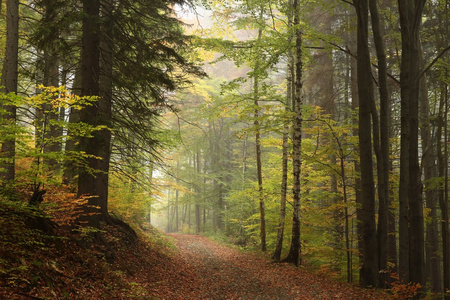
pixel 411 242
pixel 105 104
pixel 295 249
pixel 369 268
pixel 90 70
pixel 381 147
pixel 9 84
pixel 258 138
pixel 285 145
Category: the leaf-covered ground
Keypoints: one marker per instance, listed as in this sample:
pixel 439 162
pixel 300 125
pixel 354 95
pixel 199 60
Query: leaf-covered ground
pixel 211 271
pixel 42 257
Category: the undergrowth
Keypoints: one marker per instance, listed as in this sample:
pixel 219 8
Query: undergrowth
pixel 42 257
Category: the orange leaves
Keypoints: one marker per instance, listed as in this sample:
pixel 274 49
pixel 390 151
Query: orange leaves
pixel 215 271
pixel 402 290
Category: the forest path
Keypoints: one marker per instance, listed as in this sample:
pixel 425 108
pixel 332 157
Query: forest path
pixel 212 271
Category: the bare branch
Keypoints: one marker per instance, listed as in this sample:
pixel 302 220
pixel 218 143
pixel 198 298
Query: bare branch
pixel 433 62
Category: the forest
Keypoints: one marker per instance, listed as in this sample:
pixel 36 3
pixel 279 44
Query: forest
pixel 311 135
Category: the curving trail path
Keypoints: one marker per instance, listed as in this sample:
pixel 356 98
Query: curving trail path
pixel 207 270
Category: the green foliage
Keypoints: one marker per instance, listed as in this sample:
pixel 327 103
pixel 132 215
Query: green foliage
pixel 34 155
pixel 130 199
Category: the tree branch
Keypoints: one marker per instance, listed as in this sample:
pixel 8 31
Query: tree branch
pixel 434 61
pixel 348 2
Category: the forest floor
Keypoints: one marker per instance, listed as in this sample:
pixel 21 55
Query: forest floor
pixel 213 271
pixel 43 257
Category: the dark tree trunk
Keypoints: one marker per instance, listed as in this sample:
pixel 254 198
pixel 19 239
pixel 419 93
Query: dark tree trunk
pixel 442 153
pixel 433 265
pixel 104 106
pixel 410 23
pixel 9 84
pixel 90 69
pixel 369 268
pixel 383 152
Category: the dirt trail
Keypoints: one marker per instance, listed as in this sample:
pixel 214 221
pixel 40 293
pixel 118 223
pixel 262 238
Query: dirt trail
pixel 211 271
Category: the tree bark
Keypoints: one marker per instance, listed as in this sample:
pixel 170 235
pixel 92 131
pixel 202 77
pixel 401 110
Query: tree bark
pixel 284 162
pixel 442 154
pixel 295 248
pixel 262 210
pixel 369 268
pixel 90 69
pixel 105 105
pixel 383 153
pixel 9 84
pixel 433 265
pixel 410 24
pixel 198 223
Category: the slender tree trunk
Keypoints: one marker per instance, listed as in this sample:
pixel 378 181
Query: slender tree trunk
pixel 259 175
pixel 9 84
pixel 259 169
pixel 433 266
pixel 357 167
pixel 348 217
pixel 295 249
pixel 369 268
pixel 258 148
pixel 347 225
pixel 198 219
pixel 284 163
pixel 168 229
pixel 442 154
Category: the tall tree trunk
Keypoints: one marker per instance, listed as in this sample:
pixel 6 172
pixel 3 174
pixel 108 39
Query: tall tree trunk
pixel 410 23
pixel 104 106
pixel 295 249
pixel 198 223
pixel 9 84
pixel 262 211
pixel 259 168
pixel 284 163
pixel 383 154
pixel 90 69
pixel 357 178
pixel 369 268
pixel 442 154
pixel 50 132
pixel 433 265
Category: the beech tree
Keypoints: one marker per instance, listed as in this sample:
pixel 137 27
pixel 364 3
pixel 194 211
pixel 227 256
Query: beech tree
pixel 369 268
pixel 295 249
pixel 411 233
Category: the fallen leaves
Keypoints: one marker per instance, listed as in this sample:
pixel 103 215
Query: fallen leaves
pixel 58 266
pixel 221 272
